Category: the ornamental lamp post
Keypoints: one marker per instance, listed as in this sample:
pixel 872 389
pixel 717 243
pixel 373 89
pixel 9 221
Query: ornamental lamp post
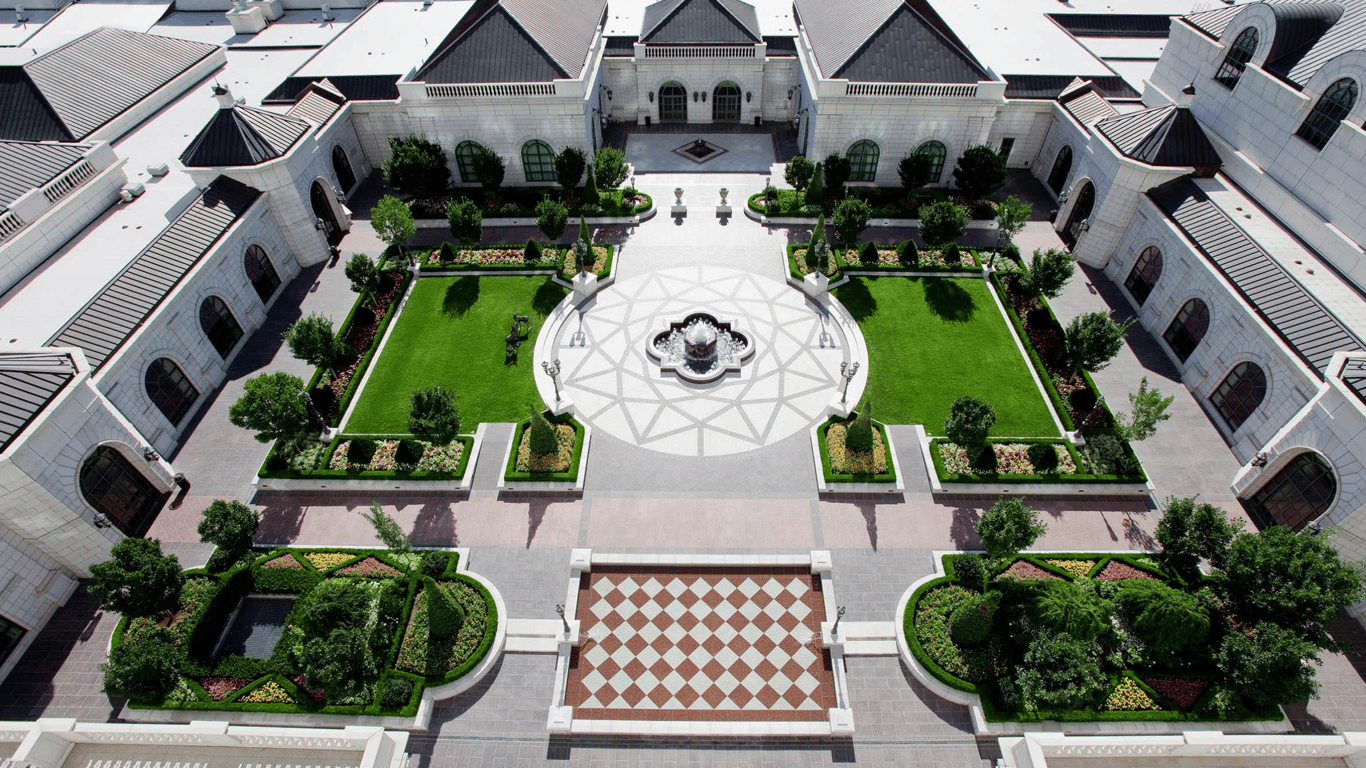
pixel 848 372
pixel 552 369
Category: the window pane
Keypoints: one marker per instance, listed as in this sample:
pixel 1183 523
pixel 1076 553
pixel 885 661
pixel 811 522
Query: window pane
pixel 1302 491
pixel 219 325
pixel 1332 108
pixel 1238 396
pixel 465 153
pixel 538 162
pixel 10 636
pixel 169 389
pixel 261 272
pixel 1239 54
pixel 1187 329
pixel 937 153
pixel 115 489
pixel 863 157
pixel 1144 275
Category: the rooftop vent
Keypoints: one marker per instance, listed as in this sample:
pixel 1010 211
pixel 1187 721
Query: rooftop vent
pixel 224 96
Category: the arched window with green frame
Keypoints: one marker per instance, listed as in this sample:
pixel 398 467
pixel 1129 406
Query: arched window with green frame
pixel 937 153
pixel 538 161
pixel 863 157
pixel 465 153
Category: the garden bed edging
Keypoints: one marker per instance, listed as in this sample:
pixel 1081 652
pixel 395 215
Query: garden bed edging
pixel 1008 488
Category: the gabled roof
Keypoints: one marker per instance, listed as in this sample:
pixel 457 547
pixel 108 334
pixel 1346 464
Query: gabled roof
pixel 700 21
pixel 898 41
pixel 1167 136
pixel 516 41
pixel 122 306
pixel 28 382
pixel 26 165
pixel 1309 33
pixel 320 102
pixel 242 135
pixel 1085 103
pixel 353 87
pixel 68 93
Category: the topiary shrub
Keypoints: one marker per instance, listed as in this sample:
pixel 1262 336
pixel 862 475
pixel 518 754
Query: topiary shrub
pixel 858 435
pixel 1044 457
pixel 332 604
pixel 361 451
pixel 531 254
pixel 447 253
pixel 397 692
pixel 434 563
pixel 952 255
pixel 444 614
pixel 868 254
pixel 1058 671
pixel 409 452
pixel 543 439
pixel 970 571
pixel 815 194
pixel 1071 607
pixel 970 623
pixel 907 254
pixel 1165 619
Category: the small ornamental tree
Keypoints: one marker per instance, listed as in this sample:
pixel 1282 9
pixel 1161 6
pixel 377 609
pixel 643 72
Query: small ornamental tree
pixel 969 422
pixel 610 168
pixel 311 340
pixel 1268 667
pixel 1072 607
pixel 334 603
pixel 858 435
pixel 798 172
pixel 551 217
pixel 1165 619
pixel 1058 672
pixel 273 406
pixel 365 277
pixel 970 571
pixel 340 664
pixel 1009 527
pixel 980 171
pixel 392 222
pixel 914 170
pixel 466 221
pixel 433 415
pixel 569 165
pixel 543 440
pixel 942 223
pixel 416 167
pixel 773 203
pixel 229 525
pixel 970 622
pixel 138 580
pixel 851 218
pixel 387 529
pixel 489 169
pixel 1011 216
pixel 1298 582
pixel 585 234
pixel 1190 531
pixel 444 614
pixel 815 193
pixel 836 172
pixel 591 195
pixel 1092 340
pixel 1048 272
pixel 1149 408
pixel 144 669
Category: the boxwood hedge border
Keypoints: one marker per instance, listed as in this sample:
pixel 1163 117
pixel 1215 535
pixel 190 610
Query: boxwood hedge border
pixel 830 477
pixel 510 473
pixel 369 474
pixel 1079 478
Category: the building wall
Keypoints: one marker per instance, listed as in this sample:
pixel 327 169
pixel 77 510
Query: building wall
pixel 698 76
pixel 1027 121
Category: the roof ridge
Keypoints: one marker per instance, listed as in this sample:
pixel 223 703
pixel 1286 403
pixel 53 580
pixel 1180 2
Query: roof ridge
pixel 905 5
pixel 474 25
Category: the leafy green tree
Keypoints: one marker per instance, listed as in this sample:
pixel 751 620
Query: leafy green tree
pixel 1298 582
pixel 144 669
pixel 416 167
pixel 798 172
pixel 444 614
pixel 138 580
pixel 970 623
pixel 1009 527
pixel 312 340
pixel 610 168
pixel 551 217
pixel 387 529
pixel 433 415
pixel 1092 340
pixel 858 436
pixel 489 169
pixel 815 193
pixel 1190 531
pixel 914 170
pixel 1268 667
pixel 1058 672
pixel 1011 217
pixel 273 406
pixel 543 438
pixel 836 170
pixel 942 223
pixel 1072 607
pixel 969 422
pixel 1149 408
pixel 365 276
pixel 980 171
pixel 569 165
pixel 850 219
pixel 1048 272
pixel 340 664
pixel 466 221
pixel 229 525
pixel 393 222
pixel 970 571
pixel 334 603
pixel 1165 619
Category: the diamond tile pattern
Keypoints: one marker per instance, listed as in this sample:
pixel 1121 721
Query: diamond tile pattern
pixel 700 644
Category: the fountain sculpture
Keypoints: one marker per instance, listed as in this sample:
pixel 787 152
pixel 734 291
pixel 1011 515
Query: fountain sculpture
pixel 700 349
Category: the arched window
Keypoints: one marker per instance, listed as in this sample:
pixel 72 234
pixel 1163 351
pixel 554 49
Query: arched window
pixel 538 161
pixel 116 490
pixel 1302 491
pixel 169 389
pixel 1239 394
pixel 725 103
pixel 465 153
pixel 863 158
pixel 1062 166
pixel 1187 328
pixel 1239 54
pixel 673 103
pixel 219 325
pixel 261 272
pixel 1144 275
pixel 319 196
pixel 341 165
pixel 937 153
pixel 1331 109
pixel 1081 212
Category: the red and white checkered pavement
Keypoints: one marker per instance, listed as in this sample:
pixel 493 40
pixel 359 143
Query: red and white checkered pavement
pixel 700 644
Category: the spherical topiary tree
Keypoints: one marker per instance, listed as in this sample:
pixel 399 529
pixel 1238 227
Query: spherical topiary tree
pixel 970 622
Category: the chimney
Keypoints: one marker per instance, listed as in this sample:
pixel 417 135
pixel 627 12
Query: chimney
pixel 224 96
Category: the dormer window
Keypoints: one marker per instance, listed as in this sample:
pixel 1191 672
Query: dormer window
pixel 1332 108
pixel 1235 61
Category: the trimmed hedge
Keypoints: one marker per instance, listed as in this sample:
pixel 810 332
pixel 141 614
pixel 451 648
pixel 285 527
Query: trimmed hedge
pixel 371 474
pixel 511 474
pixel 1079 478
pixel 798 274
pixel 885 202
pixel 524 199
pixel 973 255
pixel 830 477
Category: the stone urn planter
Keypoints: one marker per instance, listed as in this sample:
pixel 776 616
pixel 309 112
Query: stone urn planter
pixel 679 208
pixel 723 209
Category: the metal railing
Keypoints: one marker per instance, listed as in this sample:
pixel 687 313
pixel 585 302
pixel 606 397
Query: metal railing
pixel 10 223
pixel 699 52
pixel 476 90
pixel 932 90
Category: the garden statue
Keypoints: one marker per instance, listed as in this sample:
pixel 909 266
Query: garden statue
pixel 678 195
pixel 521 326
pixel 581 260
pixel 724 192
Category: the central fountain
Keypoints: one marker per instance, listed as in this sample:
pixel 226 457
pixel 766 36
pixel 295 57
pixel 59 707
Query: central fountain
pixel 700 348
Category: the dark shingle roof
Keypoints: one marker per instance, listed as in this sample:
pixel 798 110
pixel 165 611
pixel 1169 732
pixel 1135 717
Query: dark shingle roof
pixel 1050 86
pixel 700 21
pixel 320 102
pixel 620 46
pixel 1167 136
pixel 495 50
pixel 241 136
pixel 896 41
pixel 28 382
pixel 70 92
pixel 130 298
pixel 563 32
pixel 26 165
pixel 353 87
pixel 1114 24
pixel 1306 325
pixel 1309 33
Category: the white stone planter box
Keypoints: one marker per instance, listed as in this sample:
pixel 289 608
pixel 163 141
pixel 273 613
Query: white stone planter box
pixel 896 486
pixel 530 221
pixel 558 486
pixel 376 483
pixel 988 224
pixel 1005 487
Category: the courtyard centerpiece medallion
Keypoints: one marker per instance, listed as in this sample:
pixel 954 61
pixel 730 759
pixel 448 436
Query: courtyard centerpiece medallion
pixel 700 348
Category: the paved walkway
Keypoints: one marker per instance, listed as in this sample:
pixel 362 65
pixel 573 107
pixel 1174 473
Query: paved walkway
pixel 645 501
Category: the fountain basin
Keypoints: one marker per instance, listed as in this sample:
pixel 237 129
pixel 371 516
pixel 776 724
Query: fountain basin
pixel 700 348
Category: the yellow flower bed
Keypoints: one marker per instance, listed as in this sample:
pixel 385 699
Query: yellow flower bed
pixel 270 693
pixel 324 560
pixel 1078 568
pixel 1129 697
pixel 551 462
pixel 843 462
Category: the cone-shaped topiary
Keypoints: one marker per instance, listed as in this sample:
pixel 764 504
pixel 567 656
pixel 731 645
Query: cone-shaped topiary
pixel 858 436
pixel 817 233
pixel 584 234
pixel 907 254
pixel 868 253
pixel 447 253
pixel 531 254
pixel 590 187
pixel 543 439
pixel 444 614
pixel 815 194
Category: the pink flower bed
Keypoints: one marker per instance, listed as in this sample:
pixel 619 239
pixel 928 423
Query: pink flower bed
pixel 385 451
pixel 220 688
pixel 300 681
pixel 368 567
pixel 1011 459
pixel 1023 570
pixel 1117 571
pixel 1184 692
pixel 284 561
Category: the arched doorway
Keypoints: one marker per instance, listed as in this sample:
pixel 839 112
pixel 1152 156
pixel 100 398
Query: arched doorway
pixel 1081 211
pixel 117 490
pixel 673 103
pixel 321 198
pixel 725 103
pixel 1061 167
pixel 1301 492
pixel 341 165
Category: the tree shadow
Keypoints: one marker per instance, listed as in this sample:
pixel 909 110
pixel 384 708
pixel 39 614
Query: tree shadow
pixel 535 515
pixel 963 528
pixel 435 525
pixel 868 509
pixel 1136 535
pixel 547 297
pixel 856 298
pixel 280 520
pixel 949 300
pixel 460 296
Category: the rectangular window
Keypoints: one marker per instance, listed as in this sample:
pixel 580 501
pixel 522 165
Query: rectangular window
pixel 1007 144
pixel 10 635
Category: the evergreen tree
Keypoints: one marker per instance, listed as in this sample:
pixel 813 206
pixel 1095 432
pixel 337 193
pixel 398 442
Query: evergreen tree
pixel 858 435
pixel 543 438
pixel 815 194
pixel 387 529
pixel 590 188
pixel 444 614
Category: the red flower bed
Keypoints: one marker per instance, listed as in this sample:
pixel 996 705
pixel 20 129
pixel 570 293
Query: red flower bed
pixel 1117 571
pixel 1184 692
pixel 368 567
pixel 1023 570
pixel 359 336
pixel 301 680
pixel 220 688
pixel 286 561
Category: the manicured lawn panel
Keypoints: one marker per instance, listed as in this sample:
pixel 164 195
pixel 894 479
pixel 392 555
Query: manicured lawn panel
pixel 932 340
pixel 451 334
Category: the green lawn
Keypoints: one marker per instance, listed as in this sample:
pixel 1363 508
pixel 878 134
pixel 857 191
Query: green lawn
pixel 933 339
pixel 451 333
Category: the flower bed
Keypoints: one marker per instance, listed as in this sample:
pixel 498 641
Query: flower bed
pixel 1011 459
pixel 1129 696
pixel 490 256
pixel 886 202
pixel 602 262
pixel 369 568
pixel 846 470
pixel 846 462
pixel 562 466
pixel 1023 570
pixel 331 390
pixel 419 655
pixel 969 262
pixel 435 463
pixel 1013 465
pixel 324 561
pixel 1117 571
pixel 797 267
pixel 520 202
pixel 549 462
pixel 1078 568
